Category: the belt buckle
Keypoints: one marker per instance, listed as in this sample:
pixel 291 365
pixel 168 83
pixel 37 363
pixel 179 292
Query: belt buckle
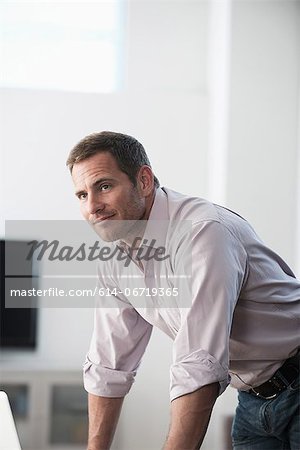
pixel 263 396
pixel 274 382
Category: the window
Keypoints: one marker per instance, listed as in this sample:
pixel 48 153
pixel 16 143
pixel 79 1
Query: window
pixel 62 45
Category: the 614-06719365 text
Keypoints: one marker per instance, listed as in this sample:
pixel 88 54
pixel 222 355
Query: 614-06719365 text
pixel 140 291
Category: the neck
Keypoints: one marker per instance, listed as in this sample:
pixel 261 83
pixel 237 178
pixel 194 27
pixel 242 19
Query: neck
pixel 149 204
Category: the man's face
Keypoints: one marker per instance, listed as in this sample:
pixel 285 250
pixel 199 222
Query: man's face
pixel 108 200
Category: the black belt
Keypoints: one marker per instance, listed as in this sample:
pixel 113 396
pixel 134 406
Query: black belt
pixel 281 379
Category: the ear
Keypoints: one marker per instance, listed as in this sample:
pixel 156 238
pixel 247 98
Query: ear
pixel 145 180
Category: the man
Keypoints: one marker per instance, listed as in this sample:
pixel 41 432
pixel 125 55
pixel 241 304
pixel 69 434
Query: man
pixel 239 324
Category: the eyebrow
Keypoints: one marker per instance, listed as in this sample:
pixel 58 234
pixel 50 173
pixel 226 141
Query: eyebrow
pixel 95 184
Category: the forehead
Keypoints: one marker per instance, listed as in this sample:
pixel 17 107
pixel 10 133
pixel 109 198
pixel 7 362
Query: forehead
pixel 97 166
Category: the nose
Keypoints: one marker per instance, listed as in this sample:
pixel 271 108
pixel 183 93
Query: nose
pixel 94 204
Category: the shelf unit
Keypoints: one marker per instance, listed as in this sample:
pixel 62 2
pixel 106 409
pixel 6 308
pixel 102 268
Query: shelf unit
pixel 49 407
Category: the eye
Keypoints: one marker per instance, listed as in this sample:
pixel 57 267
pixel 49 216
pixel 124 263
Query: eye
pixel 82 196
pixel 104 187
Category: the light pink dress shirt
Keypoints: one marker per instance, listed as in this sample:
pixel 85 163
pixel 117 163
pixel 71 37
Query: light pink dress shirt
pixel 236 318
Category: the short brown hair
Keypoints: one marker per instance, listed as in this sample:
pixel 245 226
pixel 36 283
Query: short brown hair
pixel 129 153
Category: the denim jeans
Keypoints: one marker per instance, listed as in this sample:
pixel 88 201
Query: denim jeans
pixel 268 424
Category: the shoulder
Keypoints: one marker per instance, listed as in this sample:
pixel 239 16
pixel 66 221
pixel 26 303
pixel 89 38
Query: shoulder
pixel 199 216
pixel 184 207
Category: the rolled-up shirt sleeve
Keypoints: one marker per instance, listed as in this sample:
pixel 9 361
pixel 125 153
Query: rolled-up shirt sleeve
pixel 217 267
pixel 119 339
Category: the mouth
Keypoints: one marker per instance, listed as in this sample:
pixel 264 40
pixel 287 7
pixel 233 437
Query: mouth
pixel 102 219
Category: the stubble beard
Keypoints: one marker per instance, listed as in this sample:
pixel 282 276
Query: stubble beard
pixel 127 229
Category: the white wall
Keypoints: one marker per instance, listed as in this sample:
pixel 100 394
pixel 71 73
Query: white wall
pixel 262 160
pixel 165 104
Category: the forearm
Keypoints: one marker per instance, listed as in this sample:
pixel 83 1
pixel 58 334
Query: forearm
pixel 190 416
pixel 104 413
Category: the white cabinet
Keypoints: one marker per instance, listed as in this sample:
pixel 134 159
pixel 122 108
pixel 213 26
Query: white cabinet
pixel 49 407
